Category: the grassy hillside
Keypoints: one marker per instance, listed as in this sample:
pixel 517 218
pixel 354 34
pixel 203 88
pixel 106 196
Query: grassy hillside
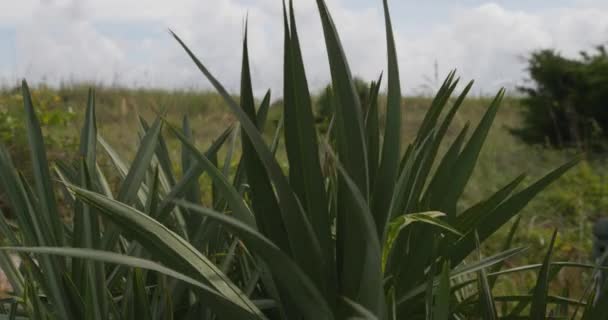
pixel 570 205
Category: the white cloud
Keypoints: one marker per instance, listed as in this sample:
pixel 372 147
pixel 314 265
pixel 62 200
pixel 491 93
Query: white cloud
pixel 62 39
pixel 487 43
pixel 57 43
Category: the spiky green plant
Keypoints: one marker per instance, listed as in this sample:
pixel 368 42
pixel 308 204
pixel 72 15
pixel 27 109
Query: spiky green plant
pixel 355 229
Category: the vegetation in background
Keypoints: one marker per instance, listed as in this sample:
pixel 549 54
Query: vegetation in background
pixel 324 106
pixel 566 100
pixel 307 236
pixel 55 116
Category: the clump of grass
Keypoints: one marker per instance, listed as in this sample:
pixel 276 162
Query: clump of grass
pixel 354 227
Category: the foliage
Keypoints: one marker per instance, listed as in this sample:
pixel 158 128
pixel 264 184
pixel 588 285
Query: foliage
pixel 324 106
pixel 350 229
pixel 572 206
pixel 52 111
pixel 581 193
pixel 565 104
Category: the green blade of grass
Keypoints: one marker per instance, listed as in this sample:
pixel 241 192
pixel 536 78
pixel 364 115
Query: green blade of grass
pixel 14 277
pixel 393 265
pixel 523 305
pixel 305 246
pixel 53 230
pixel 361 274
pixel 230 153
pixel 263 199
pixel 562 308
pixel 463 270
pixel 136 174
pixel 88 234
pixel 527 298
pixel 443 172
pixel 441 308
pixel 164 159
pixel 86 225
pixel 506 246
pixel 290 113
pixel 302 147
pixel 397 225
pixel 352 148
pixel 388 171
pixel 422 157
pixel 262 114
pixel 20 196
pixel 504 212
pixel 447 121
pixel 50 228
pixel 142 304
pixel 232 196
pixel 438 183
pixel 360 311
pixel 463 168
pixel 430 288
pixel 596 310
pixel 372 128
pixel 486 298
pixel 401 222
pixel 77 303
pixel 120 165
pixel 432 115
pixel 153 198
pixel 415 246
pixel 132 183
pixel 190 177
pixel 14 191
pixel 538 307
pixel 193 192
pixel 302 290
pixel 221 304
pixel 470 218
pixel 88 136
pixel 167 246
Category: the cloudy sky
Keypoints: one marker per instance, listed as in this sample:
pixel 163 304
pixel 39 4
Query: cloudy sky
pixel 126 42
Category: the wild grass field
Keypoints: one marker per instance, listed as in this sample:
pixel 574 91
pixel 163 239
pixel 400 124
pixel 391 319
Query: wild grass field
pixel 570 205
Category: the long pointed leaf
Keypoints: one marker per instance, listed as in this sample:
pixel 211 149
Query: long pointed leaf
pixel 221 303
pixel 305 246
pixel 352 148
pixel 166 245
pixel 302 146
pixel 538 308
pixel 391 150
pixel 302 290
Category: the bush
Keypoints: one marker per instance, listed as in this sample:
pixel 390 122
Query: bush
pixel 565 105
pixel 367 232
pixel 324 106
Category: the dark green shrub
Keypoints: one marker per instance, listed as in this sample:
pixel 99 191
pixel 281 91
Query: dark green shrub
pixel 324 106
pixel 567 102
